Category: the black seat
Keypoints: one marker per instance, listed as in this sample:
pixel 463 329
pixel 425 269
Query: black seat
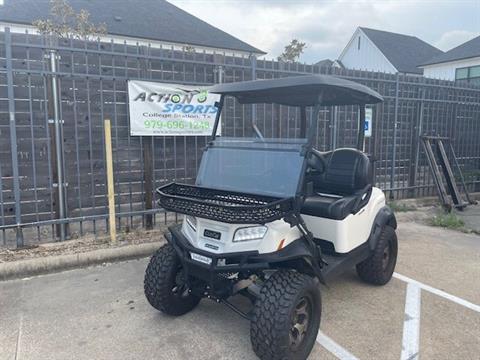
pixel 344 188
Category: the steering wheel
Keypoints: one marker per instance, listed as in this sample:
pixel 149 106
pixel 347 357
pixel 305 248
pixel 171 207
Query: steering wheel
pixel 316 161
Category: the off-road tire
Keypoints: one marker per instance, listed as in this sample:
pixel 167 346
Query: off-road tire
pixel 272 315
pixel 159 281
pixel 375 270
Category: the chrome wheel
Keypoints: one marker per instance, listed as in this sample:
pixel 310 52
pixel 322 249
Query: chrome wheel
pixel 180 287
pixel 300 322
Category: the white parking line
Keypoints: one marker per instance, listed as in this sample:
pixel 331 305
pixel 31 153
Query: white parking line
pixel 340 352
pixel 438 292
pixel 411 323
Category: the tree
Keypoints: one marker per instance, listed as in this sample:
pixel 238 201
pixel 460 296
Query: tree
pixel 292 51
pixel 189 49
pixel 66 23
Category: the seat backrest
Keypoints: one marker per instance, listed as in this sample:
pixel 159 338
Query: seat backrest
pixel 347 171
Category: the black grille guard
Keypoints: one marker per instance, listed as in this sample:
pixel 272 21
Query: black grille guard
pixel 224 206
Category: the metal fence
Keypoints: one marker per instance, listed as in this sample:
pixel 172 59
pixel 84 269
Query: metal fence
pixel 54 97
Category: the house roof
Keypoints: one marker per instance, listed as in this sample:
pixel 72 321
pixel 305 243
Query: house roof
pixel 404 52
pixel 325 63
pixel 148 19
pixel 467 50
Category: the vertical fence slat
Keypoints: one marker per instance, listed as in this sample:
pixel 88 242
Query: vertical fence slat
pixel 394 150
pixel 13 136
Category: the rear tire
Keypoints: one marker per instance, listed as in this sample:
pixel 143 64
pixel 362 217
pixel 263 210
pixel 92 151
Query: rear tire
pixel 378 268
pixel 286 317
pixel 164 286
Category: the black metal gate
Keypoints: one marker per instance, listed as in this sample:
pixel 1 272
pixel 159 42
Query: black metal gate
pixel 52 161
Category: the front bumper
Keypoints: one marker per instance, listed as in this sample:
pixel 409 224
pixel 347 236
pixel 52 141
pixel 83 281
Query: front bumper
pixel 224 265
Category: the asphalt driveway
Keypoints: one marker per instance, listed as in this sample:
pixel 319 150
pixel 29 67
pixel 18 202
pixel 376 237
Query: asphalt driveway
pixel 429 310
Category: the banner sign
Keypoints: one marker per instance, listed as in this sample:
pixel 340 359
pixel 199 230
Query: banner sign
pixel 368 121
pixel 158 109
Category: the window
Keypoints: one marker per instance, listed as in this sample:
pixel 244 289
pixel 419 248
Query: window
pixel 474 72
pixel 461 73
pixel 470 74
pixel 358 44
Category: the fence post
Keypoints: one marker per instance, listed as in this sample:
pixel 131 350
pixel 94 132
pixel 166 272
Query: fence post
pixel 394 152
pixel 412 180
pixel 220 77
pixel 253 60
pixel 148 178
pixel 57 145
pixel 13 136
pixel 147 153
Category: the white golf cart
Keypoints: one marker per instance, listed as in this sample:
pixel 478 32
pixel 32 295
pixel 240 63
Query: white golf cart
pixel 268 217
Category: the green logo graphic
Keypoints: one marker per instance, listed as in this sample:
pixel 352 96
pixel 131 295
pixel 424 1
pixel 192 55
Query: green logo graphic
pixel 202 96
pixel 175 98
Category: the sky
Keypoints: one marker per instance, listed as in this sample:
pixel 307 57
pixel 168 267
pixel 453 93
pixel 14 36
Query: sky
pixel 327 25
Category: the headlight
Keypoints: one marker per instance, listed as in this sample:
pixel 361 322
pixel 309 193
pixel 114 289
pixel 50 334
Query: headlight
pixel 250 233
pixel 191 221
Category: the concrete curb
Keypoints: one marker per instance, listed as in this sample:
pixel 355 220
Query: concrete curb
pixel 49 264
pixel 430 200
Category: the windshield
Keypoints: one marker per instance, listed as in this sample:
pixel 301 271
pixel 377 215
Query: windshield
pixel 266 168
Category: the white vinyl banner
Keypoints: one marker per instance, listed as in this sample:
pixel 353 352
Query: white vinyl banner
pixel 368 121
pixel 158 109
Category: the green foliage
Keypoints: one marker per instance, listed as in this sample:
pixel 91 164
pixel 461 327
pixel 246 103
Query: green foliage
pixel 189 49
pixel 64 22
pixel 450 221
pixel 401 207
pixel 292 51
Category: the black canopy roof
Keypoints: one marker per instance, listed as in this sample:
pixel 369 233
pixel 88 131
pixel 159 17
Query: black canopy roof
pixel 300 91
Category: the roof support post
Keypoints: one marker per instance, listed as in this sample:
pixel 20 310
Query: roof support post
pixel 312 130
pixel 257 131
pixel 303 122
pixel 361 128
pixel 219 106
pixel 334 132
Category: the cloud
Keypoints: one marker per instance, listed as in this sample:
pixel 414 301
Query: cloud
pixel 327 25
pixel 453 38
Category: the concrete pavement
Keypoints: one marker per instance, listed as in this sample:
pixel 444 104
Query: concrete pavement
pixel 471 217
pixel 100 312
